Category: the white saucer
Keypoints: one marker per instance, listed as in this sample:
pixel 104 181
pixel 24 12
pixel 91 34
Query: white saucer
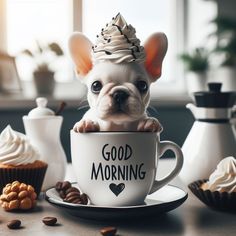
pixel 166 199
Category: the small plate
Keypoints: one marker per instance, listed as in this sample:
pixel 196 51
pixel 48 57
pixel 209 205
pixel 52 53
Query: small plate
pixel 166 199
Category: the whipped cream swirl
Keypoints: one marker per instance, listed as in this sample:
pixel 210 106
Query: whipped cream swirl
pixel 223 179
pixel 15 149
pixel 118 43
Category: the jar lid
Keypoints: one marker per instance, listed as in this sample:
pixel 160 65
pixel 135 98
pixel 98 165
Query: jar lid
pixel 41 110
pixel 214 98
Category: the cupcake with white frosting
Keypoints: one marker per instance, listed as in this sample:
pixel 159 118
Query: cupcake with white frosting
pixel 223 179
pixel 220 190
pixel 19 160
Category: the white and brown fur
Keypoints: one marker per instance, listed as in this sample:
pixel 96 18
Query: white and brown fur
pixel 129 113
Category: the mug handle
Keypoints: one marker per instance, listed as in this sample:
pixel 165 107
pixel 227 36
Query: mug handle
pixel 164 146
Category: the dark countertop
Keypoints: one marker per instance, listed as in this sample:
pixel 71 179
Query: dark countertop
pixel 191 219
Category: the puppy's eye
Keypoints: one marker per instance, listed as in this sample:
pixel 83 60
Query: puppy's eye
pixel 96 86
pixel 142 86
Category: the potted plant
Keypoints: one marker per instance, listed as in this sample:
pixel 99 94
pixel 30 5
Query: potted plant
pixel 196 64
pixel 225 49
pixel 44 57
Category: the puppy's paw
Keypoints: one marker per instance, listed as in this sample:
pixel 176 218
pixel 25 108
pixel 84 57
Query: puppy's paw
pixel 85 126
pixel 149 125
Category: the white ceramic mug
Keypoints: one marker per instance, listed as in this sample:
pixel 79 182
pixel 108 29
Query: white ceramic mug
pixel 119 168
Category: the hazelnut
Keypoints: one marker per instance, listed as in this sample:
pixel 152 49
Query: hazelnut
pixel 18 195
pixel 25 203
pixel 22 194
pixel 14 204
pixel 11 196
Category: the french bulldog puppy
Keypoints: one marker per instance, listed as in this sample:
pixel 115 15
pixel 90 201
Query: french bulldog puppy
pixel 118 89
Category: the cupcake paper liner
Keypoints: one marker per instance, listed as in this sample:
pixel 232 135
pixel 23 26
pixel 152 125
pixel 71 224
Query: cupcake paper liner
pixel 32 176
pixel 218 200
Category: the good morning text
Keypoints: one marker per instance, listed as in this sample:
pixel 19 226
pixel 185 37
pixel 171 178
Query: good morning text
pixel 113 170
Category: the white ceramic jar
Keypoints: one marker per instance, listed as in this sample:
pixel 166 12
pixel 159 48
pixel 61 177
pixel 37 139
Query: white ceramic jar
pixel 43 127
pixel 212 137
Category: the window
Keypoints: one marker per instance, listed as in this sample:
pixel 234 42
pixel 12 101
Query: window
pixel 43 20
pixel 55 20
pixel 147 17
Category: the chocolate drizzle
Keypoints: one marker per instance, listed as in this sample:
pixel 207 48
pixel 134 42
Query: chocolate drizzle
pixel 118 27
pixel 132 52
pixel 128 41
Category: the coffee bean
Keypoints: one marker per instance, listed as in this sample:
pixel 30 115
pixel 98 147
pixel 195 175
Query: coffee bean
pixel 50 221
pixel 84 198
pixel 65 185
pixel 14 224
pixel 108 231
pixel 73 194
pixel 72 189
pixel 62 194
pixel 71 199
pixel 77 201
pixel 58 186
pixel 70 194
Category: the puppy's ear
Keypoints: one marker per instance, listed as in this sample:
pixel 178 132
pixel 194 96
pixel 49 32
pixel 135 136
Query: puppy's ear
pixel 155 48
pixel 80 48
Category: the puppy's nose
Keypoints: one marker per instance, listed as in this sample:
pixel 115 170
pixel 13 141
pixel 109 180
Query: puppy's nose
pixel 120 96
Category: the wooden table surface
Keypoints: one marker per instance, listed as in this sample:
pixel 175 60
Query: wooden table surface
pixel 191 219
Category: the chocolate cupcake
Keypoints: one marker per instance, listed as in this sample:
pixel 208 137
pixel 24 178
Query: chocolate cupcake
pixel 19 160
pixel 219 191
